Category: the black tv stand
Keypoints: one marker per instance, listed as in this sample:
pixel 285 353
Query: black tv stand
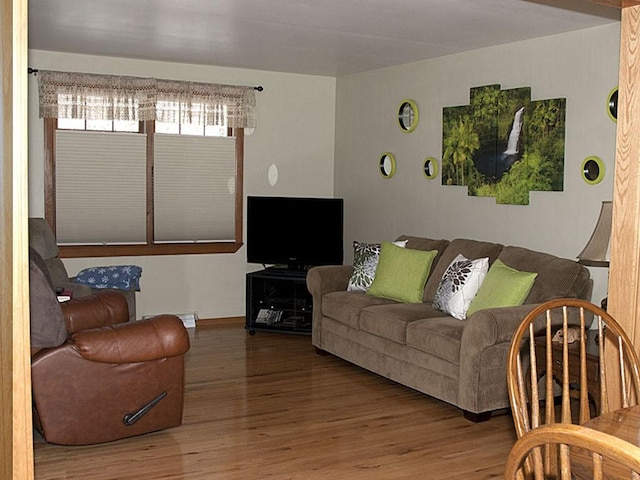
pixel 278 301
pixel 293 267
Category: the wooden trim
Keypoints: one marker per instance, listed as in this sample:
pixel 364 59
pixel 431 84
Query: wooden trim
pixel 617 3
pixel 16 438
pixel 239 182
pixel 210 322
pixel 624 270
pixel 82 251
pixel 150 129
pixel 50 125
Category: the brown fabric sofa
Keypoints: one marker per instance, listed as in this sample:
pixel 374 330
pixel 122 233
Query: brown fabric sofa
pixel 462 362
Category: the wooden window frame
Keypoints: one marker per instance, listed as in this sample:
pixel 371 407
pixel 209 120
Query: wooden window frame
pixel 150 248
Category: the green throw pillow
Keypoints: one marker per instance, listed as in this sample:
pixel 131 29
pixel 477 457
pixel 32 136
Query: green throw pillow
pixel 502 287
pixel 401 273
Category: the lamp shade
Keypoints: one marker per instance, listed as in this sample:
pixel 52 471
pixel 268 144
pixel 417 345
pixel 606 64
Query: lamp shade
pixel 596 251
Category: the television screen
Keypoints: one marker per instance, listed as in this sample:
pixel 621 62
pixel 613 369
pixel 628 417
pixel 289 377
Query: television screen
pixel 294 231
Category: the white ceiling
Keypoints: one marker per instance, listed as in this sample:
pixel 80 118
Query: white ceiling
pixel 319 37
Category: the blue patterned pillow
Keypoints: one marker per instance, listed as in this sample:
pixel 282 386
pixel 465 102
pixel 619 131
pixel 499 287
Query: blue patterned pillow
pixel 459 285
pixel 122 277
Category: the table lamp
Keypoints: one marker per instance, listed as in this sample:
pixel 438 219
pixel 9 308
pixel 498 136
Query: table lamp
pixel 596 251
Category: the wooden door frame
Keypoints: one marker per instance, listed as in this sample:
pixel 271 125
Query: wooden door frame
pixel 16 437
pixel 624 267
pixel 624 270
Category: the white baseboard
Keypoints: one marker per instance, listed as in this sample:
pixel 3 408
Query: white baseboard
pixel 188 319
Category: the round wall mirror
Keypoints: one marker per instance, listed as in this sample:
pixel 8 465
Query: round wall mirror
pixel 612 104
pixel 387 165
pixel 430 167
pixel 592 170
pixel 408 116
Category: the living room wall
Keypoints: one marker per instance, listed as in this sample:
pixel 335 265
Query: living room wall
pixel 296 117
pixel 580 66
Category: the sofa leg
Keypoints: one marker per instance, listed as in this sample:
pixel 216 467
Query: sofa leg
pixel 322 353
pixel 477 417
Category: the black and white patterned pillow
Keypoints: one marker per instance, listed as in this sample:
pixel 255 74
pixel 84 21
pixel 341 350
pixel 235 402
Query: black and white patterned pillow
pixel 459 285
pixel 365 262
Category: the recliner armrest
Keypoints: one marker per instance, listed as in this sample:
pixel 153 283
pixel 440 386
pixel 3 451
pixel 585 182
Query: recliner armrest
pixel 145 340
pixel 76 289
pixel 93 311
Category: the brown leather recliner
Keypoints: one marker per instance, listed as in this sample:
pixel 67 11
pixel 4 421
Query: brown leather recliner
pixel 111 378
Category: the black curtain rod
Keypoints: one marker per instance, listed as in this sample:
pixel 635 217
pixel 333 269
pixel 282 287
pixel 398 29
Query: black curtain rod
pixel 34 71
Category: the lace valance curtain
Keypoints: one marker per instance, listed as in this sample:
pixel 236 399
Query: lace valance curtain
pixel 111 97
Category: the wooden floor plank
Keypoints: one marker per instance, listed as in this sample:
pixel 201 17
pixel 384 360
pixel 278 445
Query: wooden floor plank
pixel 268 407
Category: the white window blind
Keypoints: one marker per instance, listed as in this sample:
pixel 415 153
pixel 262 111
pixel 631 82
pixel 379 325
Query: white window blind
pixel 194 188
pixel 100 187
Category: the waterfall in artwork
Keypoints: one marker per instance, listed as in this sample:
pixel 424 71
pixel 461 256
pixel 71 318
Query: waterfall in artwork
pixel 514 136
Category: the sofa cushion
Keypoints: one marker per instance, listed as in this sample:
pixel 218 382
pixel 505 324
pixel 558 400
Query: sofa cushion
pixel 557 277
pixel 345 307
pixel 365 262
pixel 439 336
pixel 390 321
pixel 401 273
pixel 459 285
pixel 472 249
pixel 502 287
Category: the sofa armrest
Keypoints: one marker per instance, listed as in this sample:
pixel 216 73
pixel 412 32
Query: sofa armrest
pixel 495 325
pixel 92 311
pixel 328 278
pixel 483 357
pixel 151 339
pixel 484 349
pixel 320 281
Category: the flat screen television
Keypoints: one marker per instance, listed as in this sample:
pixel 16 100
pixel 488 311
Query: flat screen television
pixel 297 232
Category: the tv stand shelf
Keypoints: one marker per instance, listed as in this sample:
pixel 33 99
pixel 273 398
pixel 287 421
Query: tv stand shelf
pixel 278 301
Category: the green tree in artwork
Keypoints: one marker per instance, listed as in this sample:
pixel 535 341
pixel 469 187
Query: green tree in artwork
pixel 545 117
pixel 546 127
pixel 486 102
pixel 459 147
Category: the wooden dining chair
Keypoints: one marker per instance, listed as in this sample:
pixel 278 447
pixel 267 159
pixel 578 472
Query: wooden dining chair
pixel 576 388
pixel 566 451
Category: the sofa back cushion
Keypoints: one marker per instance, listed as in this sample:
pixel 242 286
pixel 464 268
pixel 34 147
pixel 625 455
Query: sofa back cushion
pixel 423 243
pixel 48 328
pixel 557 277
pixel 471 249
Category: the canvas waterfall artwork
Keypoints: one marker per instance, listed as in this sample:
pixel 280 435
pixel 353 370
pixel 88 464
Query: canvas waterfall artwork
pixel 504 145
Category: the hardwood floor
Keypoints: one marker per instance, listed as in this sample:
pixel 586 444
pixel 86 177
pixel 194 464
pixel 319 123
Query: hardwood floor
pixel 268 407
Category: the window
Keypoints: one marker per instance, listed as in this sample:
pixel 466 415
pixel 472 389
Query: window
pixel 125 185
pixel 98 125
